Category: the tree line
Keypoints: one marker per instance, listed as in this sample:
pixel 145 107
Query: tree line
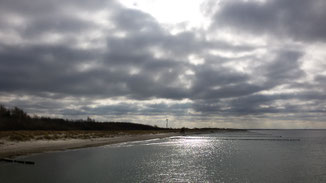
pixel 17 119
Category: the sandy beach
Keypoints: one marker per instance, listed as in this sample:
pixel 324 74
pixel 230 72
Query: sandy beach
pixel 12 148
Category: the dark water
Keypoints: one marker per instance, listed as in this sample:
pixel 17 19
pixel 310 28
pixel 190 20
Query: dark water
pixel 256 156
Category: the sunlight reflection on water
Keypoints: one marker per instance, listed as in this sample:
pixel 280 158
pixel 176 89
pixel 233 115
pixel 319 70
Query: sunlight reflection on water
pixel 185 162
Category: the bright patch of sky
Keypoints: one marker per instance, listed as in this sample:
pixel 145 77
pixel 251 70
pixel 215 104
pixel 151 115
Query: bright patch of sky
pixel 184 13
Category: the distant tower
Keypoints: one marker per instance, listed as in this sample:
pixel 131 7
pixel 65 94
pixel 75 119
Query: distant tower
pixel 167 123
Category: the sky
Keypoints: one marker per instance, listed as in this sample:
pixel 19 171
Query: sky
pixel 203 63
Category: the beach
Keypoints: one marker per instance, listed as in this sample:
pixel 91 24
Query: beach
pixel 17 148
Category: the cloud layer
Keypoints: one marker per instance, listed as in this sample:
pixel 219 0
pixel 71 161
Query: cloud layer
pixel 258 63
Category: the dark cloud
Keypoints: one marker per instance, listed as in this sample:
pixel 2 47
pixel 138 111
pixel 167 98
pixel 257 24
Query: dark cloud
pixel 220 82
pixel 299 19
pixel 137 109
pixel 137 59
pixel 41 67
pixel 285 68
pixel 54 68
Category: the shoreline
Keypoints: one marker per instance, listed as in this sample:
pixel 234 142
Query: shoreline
pixel 11 149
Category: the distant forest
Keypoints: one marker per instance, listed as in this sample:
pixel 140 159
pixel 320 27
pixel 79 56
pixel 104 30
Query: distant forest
pixel 16 119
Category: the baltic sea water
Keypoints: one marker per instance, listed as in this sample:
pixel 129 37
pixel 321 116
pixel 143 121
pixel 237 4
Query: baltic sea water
pixel 254 156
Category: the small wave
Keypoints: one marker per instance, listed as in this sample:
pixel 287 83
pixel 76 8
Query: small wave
pixel 259 139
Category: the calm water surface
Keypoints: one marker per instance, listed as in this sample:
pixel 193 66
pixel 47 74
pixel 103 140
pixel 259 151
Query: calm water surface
pixel 255 156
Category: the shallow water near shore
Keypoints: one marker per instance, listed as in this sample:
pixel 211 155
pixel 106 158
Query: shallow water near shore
pixel 253 156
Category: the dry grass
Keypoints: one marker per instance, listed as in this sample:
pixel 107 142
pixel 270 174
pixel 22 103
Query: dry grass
pixel 74 134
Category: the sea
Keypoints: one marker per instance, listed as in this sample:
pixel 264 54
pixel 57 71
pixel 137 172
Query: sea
pixel 254 156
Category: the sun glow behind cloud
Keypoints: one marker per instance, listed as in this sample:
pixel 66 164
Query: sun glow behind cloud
pixel 186 14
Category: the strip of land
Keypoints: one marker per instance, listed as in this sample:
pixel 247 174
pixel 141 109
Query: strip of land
pixel 12 148
pixel 22 134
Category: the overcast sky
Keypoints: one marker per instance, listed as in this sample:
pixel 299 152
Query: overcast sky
pixel 204 63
